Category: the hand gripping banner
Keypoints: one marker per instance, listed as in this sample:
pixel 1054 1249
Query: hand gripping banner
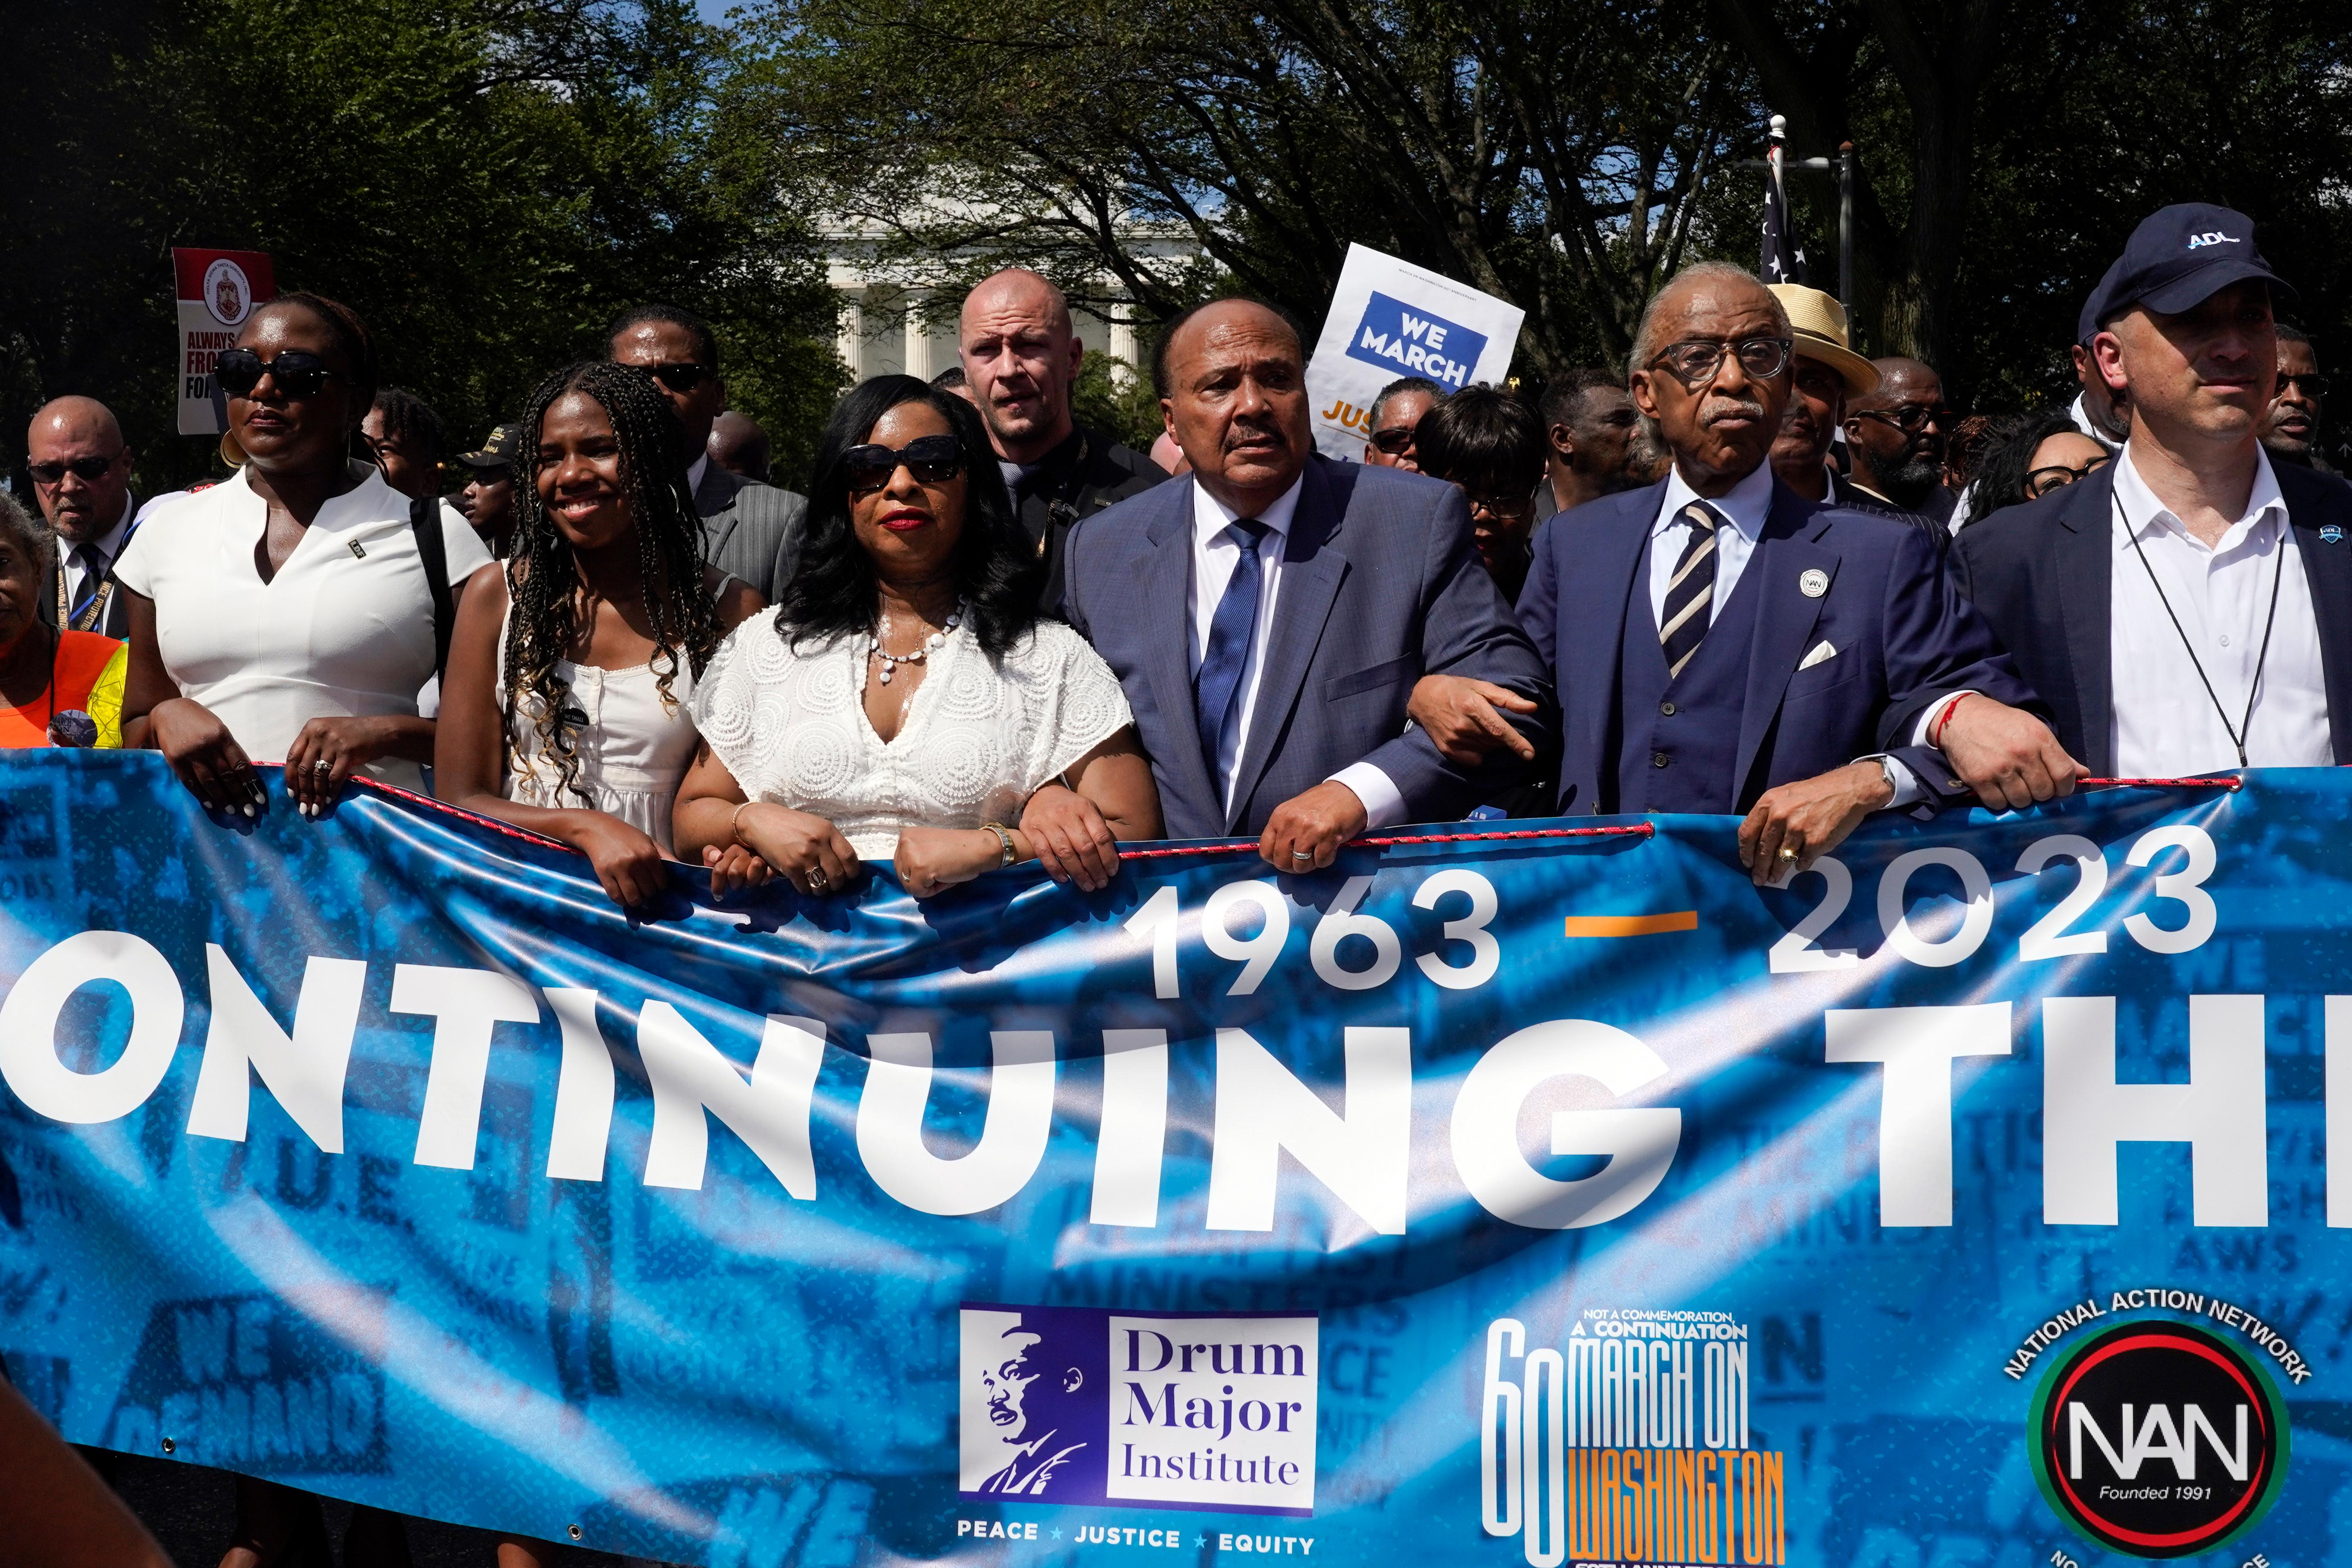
pixel 1546 1200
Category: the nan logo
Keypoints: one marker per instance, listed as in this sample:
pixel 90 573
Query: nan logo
pixel 1070 1405
pixel 1406 340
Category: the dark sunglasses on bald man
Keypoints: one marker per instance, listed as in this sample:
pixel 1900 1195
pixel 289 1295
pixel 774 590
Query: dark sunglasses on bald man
pixel 297 374
pixel 89 470
pixel 933 459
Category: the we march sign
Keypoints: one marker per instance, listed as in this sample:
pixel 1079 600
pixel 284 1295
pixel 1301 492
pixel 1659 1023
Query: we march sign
pixel 1388 320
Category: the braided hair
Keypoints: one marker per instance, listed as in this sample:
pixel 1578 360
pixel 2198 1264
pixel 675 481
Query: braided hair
pixel 542 575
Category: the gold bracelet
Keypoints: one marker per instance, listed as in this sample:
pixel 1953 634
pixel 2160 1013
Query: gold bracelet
pixel 1003 837
pixel 734 832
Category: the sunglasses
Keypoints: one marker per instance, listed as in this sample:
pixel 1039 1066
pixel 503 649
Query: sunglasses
pixel 933 459
pixel 1395 441
pixel 1696 362
pixel 2312 383
pixel 1911 418
pixel 678 377
pixel 1503 508
pixel 87 469
pixel 2042 482
pixel 297 374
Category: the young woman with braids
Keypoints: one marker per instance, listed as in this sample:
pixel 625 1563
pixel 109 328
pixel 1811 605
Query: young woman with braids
pixel 905 698
pixel 285 614
pixel 564 711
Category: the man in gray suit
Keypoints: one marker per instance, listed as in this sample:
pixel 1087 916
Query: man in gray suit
pixel 749 529
pixel 1269 613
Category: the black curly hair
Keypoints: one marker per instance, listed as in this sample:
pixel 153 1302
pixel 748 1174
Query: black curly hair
pixel 2008 461
pixel 541 575
pixel 997 572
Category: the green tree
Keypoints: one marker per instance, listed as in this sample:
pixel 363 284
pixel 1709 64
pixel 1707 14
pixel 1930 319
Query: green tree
pixel 486 180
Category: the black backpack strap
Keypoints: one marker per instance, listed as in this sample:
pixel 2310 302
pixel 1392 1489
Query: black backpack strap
pixel 433 550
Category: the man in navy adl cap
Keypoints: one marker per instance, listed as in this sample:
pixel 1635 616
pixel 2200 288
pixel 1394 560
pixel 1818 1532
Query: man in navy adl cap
pixel 2187 608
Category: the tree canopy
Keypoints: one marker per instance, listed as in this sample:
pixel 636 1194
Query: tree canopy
pixel 486 180
pixel 1570 156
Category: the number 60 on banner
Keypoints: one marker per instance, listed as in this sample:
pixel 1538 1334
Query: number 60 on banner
pixel 2047 938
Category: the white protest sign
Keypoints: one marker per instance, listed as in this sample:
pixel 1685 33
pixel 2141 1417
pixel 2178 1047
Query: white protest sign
pixel 217 290
pixel 1390 319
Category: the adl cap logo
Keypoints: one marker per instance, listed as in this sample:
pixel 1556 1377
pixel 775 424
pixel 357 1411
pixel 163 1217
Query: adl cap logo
pixel 1406 340
pixel 2212 236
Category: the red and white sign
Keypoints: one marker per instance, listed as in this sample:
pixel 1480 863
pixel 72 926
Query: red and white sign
pixel 217 290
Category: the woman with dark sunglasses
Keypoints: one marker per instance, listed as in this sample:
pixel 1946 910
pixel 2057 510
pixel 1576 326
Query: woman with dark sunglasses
pixel 907 698
pixel 2029 457
pixel 287 613
pixel 564 710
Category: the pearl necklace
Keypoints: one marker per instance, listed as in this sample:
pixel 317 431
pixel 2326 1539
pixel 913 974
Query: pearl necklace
pixel 890 661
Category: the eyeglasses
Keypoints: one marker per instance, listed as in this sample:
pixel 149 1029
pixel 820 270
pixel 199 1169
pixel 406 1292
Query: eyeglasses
pixel 2312 383
pixel 1911 418
pixel 1502 509
pixel 678 377
pixel 2042 482
pixel 1395 441
pixel 933 459
pixel 1695 362
pixel 90 470
pixel 296 373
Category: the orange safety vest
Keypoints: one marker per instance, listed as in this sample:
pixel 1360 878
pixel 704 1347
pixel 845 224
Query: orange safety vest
pixel 89 670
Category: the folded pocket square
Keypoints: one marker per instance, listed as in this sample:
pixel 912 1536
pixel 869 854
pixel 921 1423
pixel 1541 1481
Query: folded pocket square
pixel 1823 653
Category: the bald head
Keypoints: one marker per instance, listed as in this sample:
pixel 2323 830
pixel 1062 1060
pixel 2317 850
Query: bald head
pixel 1232 386
pixel 80 466
pixel 1021 358
pixel 1896 435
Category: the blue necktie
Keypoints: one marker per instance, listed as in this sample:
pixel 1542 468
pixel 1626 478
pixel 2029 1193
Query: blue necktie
pixel 1219 682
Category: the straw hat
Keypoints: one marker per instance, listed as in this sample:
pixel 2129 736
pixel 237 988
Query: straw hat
pixel 1817 323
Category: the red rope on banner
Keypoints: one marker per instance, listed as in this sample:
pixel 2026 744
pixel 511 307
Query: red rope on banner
pixel 2161 783
pixel 460 813
pixel 1231 847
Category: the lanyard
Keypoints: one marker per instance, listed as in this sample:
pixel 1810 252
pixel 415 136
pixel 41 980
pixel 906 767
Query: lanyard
pixel 2278 570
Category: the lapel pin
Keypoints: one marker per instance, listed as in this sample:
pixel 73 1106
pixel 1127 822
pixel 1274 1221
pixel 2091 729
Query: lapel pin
pixel 1814 582
pixel 2331 534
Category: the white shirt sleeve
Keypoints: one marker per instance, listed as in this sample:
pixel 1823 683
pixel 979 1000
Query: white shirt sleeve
pixel 1383 802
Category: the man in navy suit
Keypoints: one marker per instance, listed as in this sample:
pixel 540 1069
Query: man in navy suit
pixel 2187 608
pixel 1723 644
pixel 1269 613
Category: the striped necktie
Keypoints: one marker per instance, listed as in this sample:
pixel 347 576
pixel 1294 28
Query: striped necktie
pixel 1690 595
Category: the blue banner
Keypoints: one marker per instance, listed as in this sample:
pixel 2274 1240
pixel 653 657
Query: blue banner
pixel 1540 1199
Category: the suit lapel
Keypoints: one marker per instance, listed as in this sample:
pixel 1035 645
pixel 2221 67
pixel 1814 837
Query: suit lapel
pixel 1785 614
pixel 1168 644
pixel 712 498
pixel 2327 571
pixel 2082 545
pixel 1603 572
pixel 1311 573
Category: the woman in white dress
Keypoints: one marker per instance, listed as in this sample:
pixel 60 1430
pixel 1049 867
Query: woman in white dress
pixel 564 711
pixel 286 614
pixel 907 698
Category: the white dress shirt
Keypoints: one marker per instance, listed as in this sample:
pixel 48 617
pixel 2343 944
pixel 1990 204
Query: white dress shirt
pixel 2163 724
pixel 1215 554
pixel 1746 506
pixel 110 546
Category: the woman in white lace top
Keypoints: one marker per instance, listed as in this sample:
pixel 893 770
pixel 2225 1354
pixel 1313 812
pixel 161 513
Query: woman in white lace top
pixel 905 698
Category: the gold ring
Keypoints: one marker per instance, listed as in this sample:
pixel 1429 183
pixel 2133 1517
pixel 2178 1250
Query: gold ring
pixel 1787 853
